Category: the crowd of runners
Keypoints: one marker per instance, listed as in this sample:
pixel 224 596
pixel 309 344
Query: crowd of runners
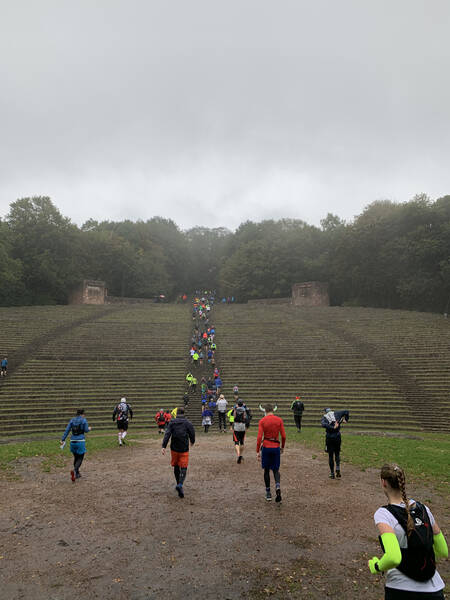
pixel 410 537
pixel 180 432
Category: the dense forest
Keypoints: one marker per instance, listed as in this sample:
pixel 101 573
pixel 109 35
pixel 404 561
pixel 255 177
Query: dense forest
pixel 392 255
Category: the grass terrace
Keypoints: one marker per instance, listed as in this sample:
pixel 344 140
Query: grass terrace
pixel 361 359
pixel 135 351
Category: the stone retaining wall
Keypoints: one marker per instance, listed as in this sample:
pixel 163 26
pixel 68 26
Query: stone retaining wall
pixel 271 301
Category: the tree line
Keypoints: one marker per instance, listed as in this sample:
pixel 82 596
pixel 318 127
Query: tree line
pixel 393 255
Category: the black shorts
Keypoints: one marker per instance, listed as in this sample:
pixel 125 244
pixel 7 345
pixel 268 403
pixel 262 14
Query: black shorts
pixel 238 437
pixel 333 445
pixel 394 594
pixel 4 368
pixel 123 425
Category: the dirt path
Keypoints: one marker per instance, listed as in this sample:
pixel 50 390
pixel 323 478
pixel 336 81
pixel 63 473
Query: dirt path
pixel 121 532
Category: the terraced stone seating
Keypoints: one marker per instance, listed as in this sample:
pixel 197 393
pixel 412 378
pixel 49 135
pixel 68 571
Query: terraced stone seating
pixel 134 351
pixel 374 362
pixel 22 325
pixel 390 368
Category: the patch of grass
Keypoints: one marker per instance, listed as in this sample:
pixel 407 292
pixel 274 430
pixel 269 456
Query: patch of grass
pixel 425 459
pixel 51 450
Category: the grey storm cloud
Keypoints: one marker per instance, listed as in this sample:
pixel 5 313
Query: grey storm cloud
pixel 212 113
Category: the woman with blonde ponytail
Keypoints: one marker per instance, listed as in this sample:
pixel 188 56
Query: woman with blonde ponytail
pixel 411 541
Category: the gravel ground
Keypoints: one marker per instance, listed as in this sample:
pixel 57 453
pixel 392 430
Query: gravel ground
pixel 121 532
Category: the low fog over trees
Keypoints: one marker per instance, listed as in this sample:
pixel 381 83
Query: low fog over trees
pixel 392 255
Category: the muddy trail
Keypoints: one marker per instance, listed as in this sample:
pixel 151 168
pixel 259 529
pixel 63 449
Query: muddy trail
pixel 121 532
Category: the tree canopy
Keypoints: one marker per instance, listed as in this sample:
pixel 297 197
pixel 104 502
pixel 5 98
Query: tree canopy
pixel 394 255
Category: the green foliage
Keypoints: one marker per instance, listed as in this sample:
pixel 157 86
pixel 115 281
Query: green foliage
pixel 269 257
pixel 136 259
pixel 43 241
pixel 12 288
pixel 392 255
pixel 207 249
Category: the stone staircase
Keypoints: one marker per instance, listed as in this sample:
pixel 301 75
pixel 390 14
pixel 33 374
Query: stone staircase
pixel 391 369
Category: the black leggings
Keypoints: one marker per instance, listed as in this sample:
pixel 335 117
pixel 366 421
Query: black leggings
pixel 77 460
pixel 393 594
pixel 276 476
pixel 334 454
pixel 180 474
pixel 222 420
pixel 298 421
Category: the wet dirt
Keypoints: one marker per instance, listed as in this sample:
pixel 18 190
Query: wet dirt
pixel 122 533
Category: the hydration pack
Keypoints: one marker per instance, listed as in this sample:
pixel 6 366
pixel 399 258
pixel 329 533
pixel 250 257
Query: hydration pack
pixel 418 560
pixel 241 415
pixel 77 428
pixel 122 412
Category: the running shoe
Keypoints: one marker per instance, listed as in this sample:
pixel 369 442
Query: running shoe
pixel 179 489
pixel 331 476
pixel 72 475
pixel 268 496
pixel 278 495
pixel 239 460
pixel 338 474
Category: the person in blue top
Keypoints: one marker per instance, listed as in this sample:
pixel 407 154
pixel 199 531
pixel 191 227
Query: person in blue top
pixel 77 427
pixel 4 366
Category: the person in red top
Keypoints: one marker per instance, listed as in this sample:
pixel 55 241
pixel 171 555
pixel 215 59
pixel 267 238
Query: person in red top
pixel 270 429
pixel 160 419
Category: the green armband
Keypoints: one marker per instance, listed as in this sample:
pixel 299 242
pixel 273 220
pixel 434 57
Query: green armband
pixel 392 556
pixel 440 546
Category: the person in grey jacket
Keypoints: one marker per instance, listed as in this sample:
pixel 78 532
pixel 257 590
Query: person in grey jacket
pixel 222 412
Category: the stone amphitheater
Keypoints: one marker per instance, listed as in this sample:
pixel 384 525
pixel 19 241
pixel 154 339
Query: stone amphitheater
pixel 391 369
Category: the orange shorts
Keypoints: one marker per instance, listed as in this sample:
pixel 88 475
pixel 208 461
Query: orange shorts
pixel 180 459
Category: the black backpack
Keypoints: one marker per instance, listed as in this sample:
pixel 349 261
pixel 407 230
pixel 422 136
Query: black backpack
pixel 241 414
pixel 122 413
pixel 418 560
pixel 78 428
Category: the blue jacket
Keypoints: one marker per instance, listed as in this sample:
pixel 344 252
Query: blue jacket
pixel 79 423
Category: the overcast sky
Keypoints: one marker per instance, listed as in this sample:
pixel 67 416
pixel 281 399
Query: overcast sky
pixel 214 112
